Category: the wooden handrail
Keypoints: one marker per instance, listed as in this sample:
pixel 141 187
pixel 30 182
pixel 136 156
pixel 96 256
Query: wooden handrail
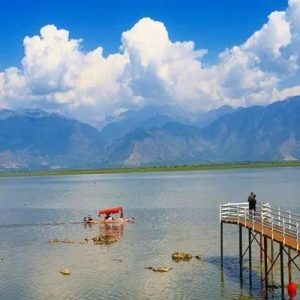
pixel 267 218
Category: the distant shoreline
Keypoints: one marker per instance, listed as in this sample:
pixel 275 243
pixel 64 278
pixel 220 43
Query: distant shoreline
pixel 195 167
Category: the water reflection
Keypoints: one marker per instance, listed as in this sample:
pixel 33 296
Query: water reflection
pixel 174 212
pixel 112 229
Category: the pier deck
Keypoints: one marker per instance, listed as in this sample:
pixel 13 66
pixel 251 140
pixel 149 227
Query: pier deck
pixel 270 224
pixel 278 225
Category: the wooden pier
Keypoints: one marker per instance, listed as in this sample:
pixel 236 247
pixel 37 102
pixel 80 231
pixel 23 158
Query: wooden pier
pixel 265 226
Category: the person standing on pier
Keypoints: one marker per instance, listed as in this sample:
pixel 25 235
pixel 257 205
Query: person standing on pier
pixel 252 204
pixel 250 198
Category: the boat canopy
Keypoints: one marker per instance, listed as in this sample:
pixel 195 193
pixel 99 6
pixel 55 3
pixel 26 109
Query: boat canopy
pixel 112 210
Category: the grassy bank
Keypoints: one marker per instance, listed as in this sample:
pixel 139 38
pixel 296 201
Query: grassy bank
pixel 206 166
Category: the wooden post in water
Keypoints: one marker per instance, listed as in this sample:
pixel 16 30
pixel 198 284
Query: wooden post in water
pixel 221 242
pixel 281 270
pixel 250 257
pixel 266 263
pixel 241 250
pixel 260 258
pixel 260 249
pixel 272 259
pixel 289 265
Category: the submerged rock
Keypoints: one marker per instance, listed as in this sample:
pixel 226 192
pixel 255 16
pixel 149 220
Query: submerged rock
pixel 67 242
pixel 104 239
pixel 61 241
pixel 116 259
pixel 199 257
pixel 65 271
pixel 159 269
pixel 54 241
pixel 181 256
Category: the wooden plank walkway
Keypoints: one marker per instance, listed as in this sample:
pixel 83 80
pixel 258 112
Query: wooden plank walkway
pixel 278 225
pixel 274 234
pixel 274 224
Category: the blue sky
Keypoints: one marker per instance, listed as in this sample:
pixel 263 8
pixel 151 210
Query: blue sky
pixel 214 25
pixel 93 59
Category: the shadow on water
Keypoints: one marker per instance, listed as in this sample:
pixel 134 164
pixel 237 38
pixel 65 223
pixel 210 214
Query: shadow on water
pixel 230 273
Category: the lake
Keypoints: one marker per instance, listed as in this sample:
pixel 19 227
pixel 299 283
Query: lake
pixel 173 211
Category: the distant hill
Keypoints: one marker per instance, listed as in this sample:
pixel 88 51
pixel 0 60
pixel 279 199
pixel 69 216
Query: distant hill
pixel 151 117
pixel 172 143
pixel 256 133
pixel 34 139
pixel 206 118
pixel 37 139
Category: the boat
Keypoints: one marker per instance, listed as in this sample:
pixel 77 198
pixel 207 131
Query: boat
pixel 111 211
pixel 107 212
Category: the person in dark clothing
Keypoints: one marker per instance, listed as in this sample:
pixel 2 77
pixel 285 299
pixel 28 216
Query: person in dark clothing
pixel 250 198
pixel 252 205
pixel 88 219
pixel 108 217
pixel 254 202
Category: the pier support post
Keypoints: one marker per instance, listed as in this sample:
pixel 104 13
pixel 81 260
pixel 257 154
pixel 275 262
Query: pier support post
pixel 272 259
pixel 289 265
pixel 266 263
pixel 260 249
pixel 261 259
pixel 221 242
pixel 281 270
pixel 250 257
pixel 241 250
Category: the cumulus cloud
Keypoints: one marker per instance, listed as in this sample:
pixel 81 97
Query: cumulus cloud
pixel 152 69
pixel 271 38
pixel 161 70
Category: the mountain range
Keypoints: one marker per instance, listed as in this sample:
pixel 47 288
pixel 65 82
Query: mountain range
pixel 35 139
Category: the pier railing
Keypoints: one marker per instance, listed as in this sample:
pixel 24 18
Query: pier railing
pixel 277 221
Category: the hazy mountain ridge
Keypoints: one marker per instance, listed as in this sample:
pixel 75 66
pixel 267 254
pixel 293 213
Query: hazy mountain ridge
pixel 34 139
pixel 151 117
pixel 172 143
pixel 256 133
pixel 37 139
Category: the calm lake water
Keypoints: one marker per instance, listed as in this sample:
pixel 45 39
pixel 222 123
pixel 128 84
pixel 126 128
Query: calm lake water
pixel 175 211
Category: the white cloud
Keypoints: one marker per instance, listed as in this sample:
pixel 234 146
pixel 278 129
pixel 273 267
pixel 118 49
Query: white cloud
pixel 150 68
pixel 251 73
pixel 12 85
pixel 159 69
pixel 288 92
pixel 51 61
pixel 56 72
pixel 268 41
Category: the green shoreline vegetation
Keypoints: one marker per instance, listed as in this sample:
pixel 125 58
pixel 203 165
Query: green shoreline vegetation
pixel 145 169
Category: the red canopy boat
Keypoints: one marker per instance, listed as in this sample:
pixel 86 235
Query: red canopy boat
pixel 111 211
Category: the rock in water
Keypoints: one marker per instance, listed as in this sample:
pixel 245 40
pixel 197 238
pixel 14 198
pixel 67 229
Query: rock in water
pixel 54 241
pixel 104 239
pixel 159 269
pixel 199 257
pixel 65 271
pixel 181 256
pixel 61 241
